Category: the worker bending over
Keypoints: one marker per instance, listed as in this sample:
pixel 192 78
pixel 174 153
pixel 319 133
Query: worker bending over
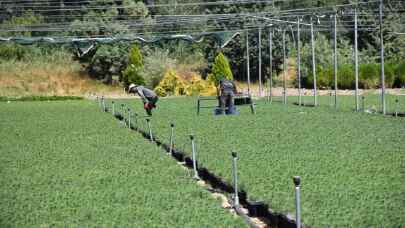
pixel 148 97
pixel 227 90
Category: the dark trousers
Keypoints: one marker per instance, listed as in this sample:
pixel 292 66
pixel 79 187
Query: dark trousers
pixel 153 100
pixel 152 104
pixel 227 100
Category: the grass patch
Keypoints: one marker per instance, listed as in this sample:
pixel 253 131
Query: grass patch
pixel 66 164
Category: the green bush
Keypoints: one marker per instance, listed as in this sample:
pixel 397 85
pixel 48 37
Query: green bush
pixel 160 91
pixel 12 51
pixel 220 69
pixel 389 70
pixel 400 75
pixel 369 76
pixel 324 78
pixel 135 57
pixel 155 65
pixel 346 77
pixel 109 60
pixel 132 74
pixel 172 84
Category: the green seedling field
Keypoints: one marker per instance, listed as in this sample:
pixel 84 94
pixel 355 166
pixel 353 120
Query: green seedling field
pixel 352 165
pixel 66 164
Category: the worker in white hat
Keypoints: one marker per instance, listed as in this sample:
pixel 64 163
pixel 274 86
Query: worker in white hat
pixel 148 97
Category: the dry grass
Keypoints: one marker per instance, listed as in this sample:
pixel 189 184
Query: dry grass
pixel 60 77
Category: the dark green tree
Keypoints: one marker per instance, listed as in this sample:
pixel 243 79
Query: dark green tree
pixel 220 69
pixel 132 74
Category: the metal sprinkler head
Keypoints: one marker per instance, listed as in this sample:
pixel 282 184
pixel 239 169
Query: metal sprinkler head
pixel 234 154
pixel 297 181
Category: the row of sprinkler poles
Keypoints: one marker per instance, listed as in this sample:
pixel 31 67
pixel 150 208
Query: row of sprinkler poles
pixel 296 179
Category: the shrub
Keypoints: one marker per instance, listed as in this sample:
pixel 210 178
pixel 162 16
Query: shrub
pixel 368 76
pixel 135 57
pixel 12 51
pixel 389 72
pixel 155 65
pixel 198 86
pixel 160 91
pixel 324 78
pixel 400 75
pixel 172 84
pixel 108 61
pixel 132 74
pixel 345 76
pixel 220 70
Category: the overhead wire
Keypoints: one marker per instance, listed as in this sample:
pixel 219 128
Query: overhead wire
pixel 175 20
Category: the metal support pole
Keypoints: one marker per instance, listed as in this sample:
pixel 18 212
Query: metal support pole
pixel 271 65
pixel 235 178
pixel 129 118
pixel 103 103
pixel 194 157
pixel 356 62
pixel 284 71
pixel 136 120
pixel 113 107
pixel 297 182
pixel 150 129
pixel 260 62
pixel 313 62
pixel 382 58
pixel 171 139
pixel 330 98
pixel 98 101
pixel 396 107
pixel 335 57
pixel 299 61
pixel 247 60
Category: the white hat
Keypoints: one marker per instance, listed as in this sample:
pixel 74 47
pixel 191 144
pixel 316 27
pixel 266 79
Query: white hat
pixel 131 86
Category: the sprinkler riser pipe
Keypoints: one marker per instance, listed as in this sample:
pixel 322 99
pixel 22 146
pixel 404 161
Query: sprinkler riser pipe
pixel 298 206
pixel 396 107
pixel 297 183
pixel 194 157
pixel 171 139
pixel 129 118
pixel 150 129
pixel 235 178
